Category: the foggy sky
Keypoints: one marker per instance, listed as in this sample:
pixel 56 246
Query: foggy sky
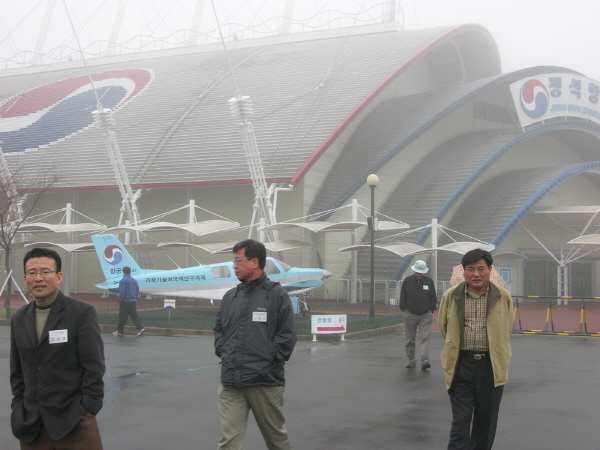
pixel 527 32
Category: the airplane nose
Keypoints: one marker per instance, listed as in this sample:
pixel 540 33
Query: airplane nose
pixel 326 274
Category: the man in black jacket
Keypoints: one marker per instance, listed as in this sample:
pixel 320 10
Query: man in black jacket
pixel 418 301
pixel 56 363
pixel 255 335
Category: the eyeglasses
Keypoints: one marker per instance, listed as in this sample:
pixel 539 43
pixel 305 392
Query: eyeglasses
pixel 42 273
pixel 237 261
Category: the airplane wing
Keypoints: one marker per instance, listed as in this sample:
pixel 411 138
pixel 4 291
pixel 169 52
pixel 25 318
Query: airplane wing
pixel 109 285
pixel 302 287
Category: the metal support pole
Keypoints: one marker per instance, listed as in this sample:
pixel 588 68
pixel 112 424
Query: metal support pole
pixel 372 181
pixel 354 257
pixel 583 319
pixel 434 255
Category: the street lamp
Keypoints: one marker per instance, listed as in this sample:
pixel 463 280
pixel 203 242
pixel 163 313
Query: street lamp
pixel 372 181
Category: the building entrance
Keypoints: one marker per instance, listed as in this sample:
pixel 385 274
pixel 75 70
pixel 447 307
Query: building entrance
pixel 541 278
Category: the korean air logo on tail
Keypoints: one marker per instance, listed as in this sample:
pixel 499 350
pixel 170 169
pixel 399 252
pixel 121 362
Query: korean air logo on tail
pixel 113 255
pixel 534 98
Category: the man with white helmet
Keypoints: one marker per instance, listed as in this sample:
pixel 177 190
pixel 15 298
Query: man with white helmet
pixel 418 301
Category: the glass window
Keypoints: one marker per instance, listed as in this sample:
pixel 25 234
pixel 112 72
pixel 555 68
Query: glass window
pixel 271 268
pixel 285 266
pixel 221 272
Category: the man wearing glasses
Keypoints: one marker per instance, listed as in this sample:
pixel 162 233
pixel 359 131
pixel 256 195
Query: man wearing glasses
pixel 56 363
pixel 255 335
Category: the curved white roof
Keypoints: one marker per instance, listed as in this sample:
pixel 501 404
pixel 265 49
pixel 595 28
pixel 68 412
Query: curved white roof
pixel 172 118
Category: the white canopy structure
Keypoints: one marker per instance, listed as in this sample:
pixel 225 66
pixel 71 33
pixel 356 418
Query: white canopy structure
pixel 61 228
pixel 227 247
pixel 464 247
pixel 69 248
pixel 212 247
pixel 196 228
pixel 586 215
pixel 403 249
pixel 407 249
pixel 290 244
pixel 588 240
pixel 88 247
pixel 321 226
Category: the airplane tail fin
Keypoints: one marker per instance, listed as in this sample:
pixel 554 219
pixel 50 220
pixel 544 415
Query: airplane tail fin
pixel 113 256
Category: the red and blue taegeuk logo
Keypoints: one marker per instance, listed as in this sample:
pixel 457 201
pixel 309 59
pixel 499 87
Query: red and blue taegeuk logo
pixel 534 98
pixel 113 255
pixel 48 113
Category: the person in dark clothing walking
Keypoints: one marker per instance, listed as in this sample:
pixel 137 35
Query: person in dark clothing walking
pixel 128 294
pixel 418 301
pixel 255 335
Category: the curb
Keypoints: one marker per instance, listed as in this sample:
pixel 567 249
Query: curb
pixel 153 331
pixel 356 335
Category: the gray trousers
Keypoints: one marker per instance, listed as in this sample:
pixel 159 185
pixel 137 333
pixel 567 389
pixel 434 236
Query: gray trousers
pixel 265 403
pixel 423 322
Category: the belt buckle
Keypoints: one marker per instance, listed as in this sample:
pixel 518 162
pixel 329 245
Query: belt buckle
pixel 479 356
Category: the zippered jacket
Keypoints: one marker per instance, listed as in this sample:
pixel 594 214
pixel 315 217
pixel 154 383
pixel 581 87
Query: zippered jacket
pixel 255 334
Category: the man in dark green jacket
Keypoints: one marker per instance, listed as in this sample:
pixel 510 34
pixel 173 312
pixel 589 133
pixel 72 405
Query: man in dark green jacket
pixel 255 335
pixel 418 301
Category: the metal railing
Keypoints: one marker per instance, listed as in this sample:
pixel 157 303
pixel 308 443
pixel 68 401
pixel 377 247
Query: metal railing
pixel 391 290
pixel 203 317
pixel 549 327
pixel 323 20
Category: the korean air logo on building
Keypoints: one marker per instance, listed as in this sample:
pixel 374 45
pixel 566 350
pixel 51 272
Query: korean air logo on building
pixel 556 96
pixel 56 111
pixel 534 98
pixel 113 255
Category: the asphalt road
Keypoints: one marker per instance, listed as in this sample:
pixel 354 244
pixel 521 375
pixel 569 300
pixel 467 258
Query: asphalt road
pixel 355 395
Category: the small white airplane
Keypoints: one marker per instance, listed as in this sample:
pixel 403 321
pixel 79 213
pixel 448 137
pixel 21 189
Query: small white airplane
pixel 206 282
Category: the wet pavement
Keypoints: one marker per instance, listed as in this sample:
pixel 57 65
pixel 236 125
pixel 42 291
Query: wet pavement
pixel 161 394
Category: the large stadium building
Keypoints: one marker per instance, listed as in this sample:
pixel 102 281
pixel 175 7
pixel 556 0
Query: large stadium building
pixel 429 111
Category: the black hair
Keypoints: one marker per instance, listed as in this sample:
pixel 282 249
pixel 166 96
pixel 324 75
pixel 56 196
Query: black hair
pixel 126 270
pixel 254 249
pixel 38 252
pixel 476 255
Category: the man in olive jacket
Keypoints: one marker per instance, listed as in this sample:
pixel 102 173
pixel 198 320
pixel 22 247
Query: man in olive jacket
pixel 476 319
pixel 56 363
pixel 255 335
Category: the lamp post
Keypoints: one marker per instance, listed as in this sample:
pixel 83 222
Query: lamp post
pixel 372 181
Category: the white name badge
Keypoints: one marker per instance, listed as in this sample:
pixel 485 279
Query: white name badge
pixel 259 316
pixel 425 287
pixel 58 336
